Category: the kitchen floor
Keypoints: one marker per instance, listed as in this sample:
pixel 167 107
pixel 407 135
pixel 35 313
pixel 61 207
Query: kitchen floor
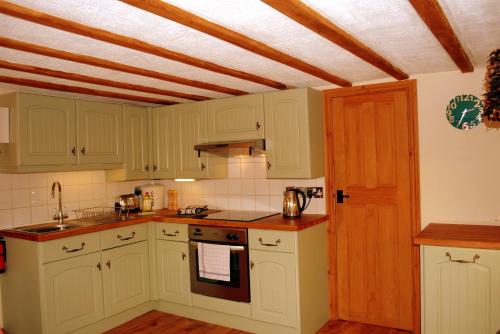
pixel 156 322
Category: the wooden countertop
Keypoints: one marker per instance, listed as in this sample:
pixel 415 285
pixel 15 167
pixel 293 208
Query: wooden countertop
pixel 276 222
pixel 456 235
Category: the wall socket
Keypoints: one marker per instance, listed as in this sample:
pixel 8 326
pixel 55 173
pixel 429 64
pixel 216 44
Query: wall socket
pixel 311 192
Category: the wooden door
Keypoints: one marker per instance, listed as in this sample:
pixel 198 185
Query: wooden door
pixel 137 164
pixel 273 287
pixel 374 253
pixel 125 277
pixel 73 293
pixel 173 271
pixel 190 130
pixel 47 130
pixel 162 125
pixel 100 132
pixel 461 297
pixel 236 118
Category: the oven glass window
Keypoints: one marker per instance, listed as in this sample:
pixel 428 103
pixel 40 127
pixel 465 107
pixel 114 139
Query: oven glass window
pixel 234 265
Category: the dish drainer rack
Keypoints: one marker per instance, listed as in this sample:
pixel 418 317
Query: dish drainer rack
pixel 97 215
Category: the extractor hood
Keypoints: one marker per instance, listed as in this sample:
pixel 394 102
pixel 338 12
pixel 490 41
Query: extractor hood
pixel 234 148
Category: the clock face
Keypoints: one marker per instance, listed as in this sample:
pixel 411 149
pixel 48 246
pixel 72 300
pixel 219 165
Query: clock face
pixel 464 111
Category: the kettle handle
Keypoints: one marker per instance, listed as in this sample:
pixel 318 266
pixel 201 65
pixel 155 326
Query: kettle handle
pixel 302 207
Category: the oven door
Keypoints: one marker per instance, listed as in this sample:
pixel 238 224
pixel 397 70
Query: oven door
pixel 237 289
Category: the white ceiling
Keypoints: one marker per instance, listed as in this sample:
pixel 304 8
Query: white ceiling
pixel 390 27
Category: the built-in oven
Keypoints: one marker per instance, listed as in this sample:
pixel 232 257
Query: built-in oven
pixel 238 286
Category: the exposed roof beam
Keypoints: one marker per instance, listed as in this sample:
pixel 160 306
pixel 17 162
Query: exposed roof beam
pixel 81 90
pixel 97 81
pixel 94 61
pixel 311 19
pixel 432 14
pixel 191 20
pixel 35 16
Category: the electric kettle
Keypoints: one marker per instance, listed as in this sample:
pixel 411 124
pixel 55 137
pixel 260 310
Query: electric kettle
pixel 291 204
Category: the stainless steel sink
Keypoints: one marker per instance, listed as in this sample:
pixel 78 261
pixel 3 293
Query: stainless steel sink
pixel 47 228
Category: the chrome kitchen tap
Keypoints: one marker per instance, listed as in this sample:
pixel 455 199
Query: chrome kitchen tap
pixel 60 216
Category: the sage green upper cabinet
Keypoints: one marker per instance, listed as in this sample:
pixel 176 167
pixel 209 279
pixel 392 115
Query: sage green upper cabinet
pixel 294 133
pixel 190 130
pixel 100 132
pixel 135 125
pixel 236 118
pixel 163 146
pixel 47 130
pixel 50 133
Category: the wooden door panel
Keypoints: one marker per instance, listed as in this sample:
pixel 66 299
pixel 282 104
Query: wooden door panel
pixel 163 143
pixel 136 139
pixel 374 243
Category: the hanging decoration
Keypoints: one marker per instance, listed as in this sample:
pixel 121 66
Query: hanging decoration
pixel 491 100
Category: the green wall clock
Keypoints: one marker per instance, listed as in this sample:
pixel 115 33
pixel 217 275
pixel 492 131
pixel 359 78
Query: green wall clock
pixel 464 111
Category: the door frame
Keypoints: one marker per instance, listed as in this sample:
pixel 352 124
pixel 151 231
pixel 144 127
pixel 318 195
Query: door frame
pixel 410 87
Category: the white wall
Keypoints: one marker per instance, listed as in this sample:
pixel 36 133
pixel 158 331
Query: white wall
pixel 459 170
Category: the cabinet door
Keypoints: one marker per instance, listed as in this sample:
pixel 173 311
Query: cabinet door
pixel 190 130
pixel 100 132
pixel 287 134
pixel 461 298
pixel 47 133
pixel 136 141
pixel 125 277
pixel 73 293
pixel 163 143
pixel 236 118
pixel 273 287
pixel 173 271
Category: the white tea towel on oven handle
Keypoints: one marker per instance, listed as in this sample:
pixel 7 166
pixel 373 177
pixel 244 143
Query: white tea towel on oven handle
pixel 213 261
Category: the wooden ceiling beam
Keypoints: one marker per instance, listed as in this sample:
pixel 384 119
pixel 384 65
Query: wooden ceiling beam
pixel 45 19
pixel 311 19
pixel 193 21
pixel 81 90
pixel 94 61
pixel 434 17
pixel 97 81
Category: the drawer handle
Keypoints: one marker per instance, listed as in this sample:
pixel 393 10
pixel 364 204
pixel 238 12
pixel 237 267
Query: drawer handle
pixel 474 258
pixel 126 238
pixel 170 234
pixel 270 245
pixel 67 250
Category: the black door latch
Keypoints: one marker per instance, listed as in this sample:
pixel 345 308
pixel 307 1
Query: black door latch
pixel 341 196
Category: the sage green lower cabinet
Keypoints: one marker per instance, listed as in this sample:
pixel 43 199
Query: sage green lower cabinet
pixel 461 290
pixel 125 277
pixel 173 271
pixel 294 133
pixel 73 293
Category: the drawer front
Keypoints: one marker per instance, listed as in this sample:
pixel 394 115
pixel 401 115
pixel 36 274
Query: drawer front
pixel 124 236
pixel 66 248
pixel 172 231
pixel 277 241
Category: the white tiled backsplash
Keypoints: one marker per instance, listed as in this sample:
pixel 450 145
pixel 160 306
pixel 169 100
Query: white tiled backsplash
pixel 25 198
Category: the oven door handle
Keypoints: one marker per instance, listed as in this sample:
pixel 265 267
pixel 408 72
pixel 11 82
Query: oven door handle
pixel 231 247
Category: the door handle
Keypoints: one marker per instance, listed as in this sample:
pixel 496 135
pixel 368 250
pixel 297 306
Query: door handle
pixel 73 151
pixel 83 150
pixel 147 168
pixel 257 125
pixel 341 195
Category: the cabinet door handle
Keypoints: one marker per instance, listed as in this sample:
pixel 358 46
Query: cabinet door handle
pixel 170 234
pixel 474 258
pixel 147 168
pixel 268 165
pixel 67 250
pixel 99 266
pixel 126 238
pixel 108 263
pixel 257 125
pixel 84 151
pixel 73 151
pixel 155 168
pixel 183 256
pixel 203 166
pixel 251 264
pixel 270 245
